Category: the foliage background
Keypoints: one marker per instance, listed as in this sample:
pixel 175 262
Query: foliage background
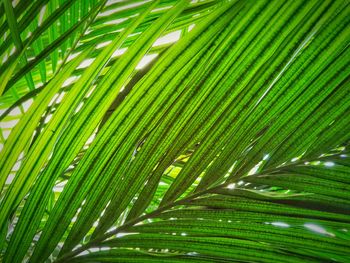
pixel 174 130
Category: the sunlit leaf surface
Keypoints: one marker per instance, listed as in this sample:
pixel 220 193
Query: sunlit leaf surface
pixel 174 131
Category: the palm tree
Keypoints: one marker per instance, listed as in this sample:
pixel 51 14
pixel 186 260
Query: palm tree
pixel 175 131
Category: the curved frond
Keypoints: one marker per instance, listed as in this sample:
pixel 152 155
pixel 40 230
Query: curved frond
pixel 174 130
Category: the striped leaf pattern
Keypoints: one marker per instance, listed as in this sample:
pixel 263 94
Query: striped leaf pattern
pixel 174 131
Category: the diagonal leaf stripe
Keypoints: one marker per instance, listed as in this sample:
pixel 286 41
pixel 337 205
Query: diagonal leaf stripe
pixel 16 143
pixel 110 215
pixel 147 38
pixel 36 204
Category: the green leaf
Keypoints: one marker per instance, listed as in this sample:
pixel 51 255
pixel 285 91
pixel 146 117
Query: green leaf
pixel 12 23
pixel 183 131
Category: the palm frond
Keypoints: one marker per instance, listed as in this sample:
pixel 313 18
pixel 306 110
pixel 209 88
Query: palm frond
pixel 174 130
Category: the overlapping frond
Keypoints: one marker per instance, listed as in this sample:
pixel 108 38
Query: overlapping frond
pixel 231 145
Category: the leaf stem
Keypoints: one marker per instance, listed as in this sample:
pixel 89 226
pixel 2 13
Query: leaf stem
pixel 132 222
pixel 161 209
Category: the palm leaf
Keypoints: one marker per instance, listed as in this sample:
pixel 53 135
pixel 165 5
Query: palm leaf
pixel 231 145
